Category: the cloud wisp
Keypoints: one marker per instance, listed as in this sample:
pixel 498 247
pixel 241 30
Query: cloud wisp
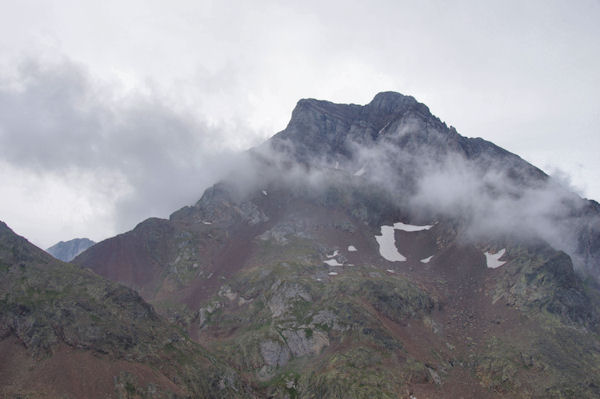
pixel 493 195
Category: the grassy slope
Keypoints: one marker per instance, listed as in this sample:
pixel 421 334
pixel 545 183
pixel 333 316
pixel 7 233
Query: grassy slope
pixel 51 307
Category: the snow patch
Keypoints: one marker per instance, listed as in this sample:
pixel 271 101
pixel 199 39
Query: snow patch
pixel 426 260
pixel 332 262
pixel 206 222
pixel 411 227
pixel 387 245
pixel 352 248
pixel 334 254
pixel 390 271
pixel 332 273
pixel 337 165
pixel 360 172
pixel 265 192
pixel 493 260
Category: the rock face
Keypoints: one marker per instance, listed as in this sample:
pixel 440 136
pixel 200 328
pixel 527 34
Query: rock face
pixel 68 250
pixel 396 142
pixel 260 270
pixel 320 129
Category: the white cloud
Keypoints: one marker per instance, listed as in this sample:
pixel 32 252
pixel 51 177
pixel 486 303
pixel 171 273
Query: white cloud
pixel 115 158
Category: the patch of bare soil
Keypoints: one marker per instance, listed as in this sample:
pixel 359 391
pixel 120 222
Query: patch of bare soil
pixel 71 373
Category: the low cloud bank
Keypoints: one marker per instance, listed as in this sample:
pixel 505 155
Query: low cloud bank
pixel 146 156
pixel 493 194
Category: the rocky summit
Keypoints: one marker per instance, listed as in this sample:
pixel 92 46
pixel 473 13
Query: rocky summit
pixel 364 251
pixel 67 250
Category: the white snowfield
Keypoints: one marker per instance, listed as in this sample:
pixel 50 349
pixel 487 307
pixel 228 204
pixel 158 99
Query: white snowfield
pixel 334 254
pixel 387 245
pixel 352 248
pixel 332 273
pixel 332 262
pixel 410 227
pixel 360 172
pixel 265 192
pixel 493 260
pixel 206 222
pixel 390 271
pixel 426 260
pixel 387 240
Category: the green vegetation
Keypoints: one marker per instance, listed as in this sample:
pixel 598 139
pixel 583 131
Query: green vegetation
pixel 45 302
pixel 291 317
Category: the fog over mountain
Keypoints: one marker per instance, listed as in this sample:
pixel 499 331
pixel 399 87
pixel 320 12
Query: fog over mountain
pixel 429 169
pixel 136 100
pixel 113 150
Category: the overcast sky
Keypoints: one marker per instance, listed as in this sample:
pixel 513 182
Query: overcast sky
pixel 114 111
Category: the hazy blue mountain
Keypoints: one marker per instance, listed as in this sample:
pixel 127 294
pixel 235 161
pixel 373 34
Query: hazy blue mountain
pixel 68 250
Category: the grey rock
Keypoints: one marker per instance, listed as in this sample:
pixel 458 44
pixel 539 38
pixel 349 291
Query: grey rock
pixel 274 353
pixel 282 231
pixel 300 344
pixel 284 294
pixel 434 376
pixel 251 214
pixel 68 250
pixel 328 319
pixel 205 312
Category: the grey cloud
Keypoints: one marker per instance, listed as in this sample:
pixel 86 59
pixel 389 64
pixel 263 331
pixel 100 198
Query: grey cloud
pixel 56 119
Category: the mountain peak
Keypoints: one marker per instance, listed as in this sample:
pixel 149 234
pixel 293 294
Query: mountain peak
pixel 391 101
pixel 324 129
pixel 68 250
pixel 386 102
pixel 307 107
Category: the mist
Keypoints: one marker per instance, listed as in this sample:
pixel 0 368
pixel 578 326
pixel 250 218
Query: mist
pixel 119 156
pixel 493 195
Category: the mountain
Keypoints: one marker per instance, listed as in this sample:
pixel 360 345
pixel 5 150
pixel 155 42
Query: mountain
pixel 68 250
pixel 68 333
pixel 372 251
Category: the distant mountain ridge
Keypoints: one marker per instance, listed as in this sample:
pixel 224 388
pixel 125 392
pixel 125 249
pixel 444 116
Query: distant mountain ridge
pixel 68 250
